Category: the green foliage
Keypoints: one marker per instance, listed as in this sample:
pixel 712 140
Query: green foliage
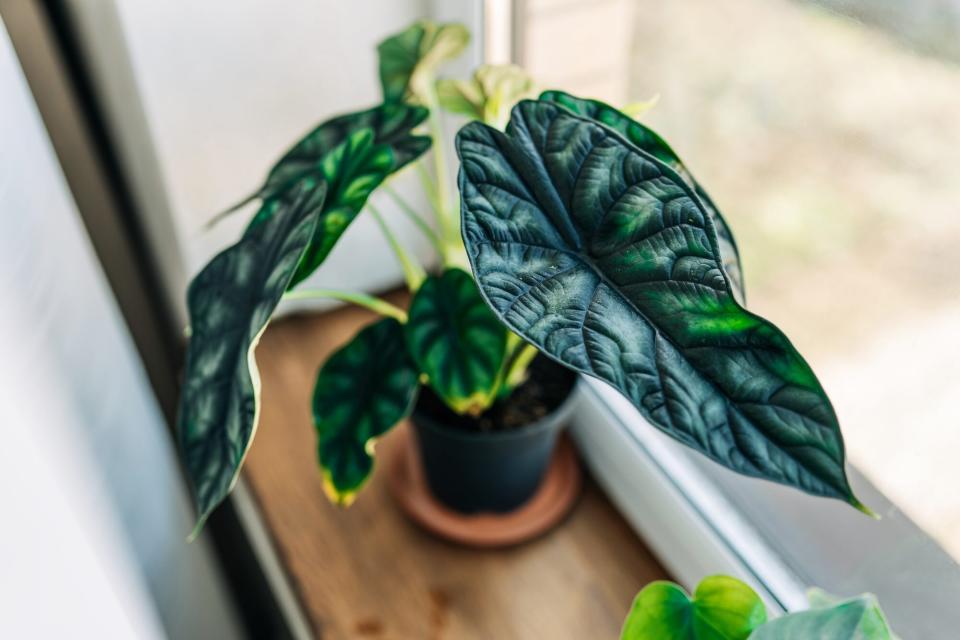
pixel 409 60
pixel 603 257
pixel 648 140
pixel 362 391
pixel 456 341
pixel 857 618
pixel 489 95
pixel 230 304
pixel 722 608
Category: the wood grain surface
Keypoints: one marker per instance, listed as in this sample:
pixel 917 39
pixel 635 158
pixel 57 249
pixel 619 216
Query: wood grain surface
pixel 368 572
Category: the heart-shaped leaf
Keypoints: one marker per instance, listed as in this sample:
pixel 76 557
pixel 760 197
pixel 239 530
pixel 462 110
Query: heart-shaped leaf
pixel 409 59
pixel 722 608
pixel 489 95
pixel 859 618
pixel 656 146
pixel 362 391
pixel 230 304
pixel 604 258
pixel 456 341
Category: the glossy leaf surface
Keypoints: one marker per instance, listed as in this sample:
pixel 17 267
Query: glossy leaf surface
pixel 649 141
pixel 603 257
pixel 409 59
pixel 722 608
pixel 392 125
pixel 859 618
pixel 456 340
pixel 230 303
pixel 489 95
pixel 362 391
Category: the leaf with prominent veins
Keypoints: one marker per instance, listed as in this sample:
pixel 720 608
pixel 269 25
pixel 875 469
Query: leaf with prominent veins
pixel 649 141
pixel 362 391
pixel 604 257
pixel 230 304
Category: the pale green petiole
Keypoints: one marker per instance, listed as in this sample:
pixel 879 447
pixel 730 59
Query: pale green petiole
pixel 413 273
pixel 415 217
pixel 373 303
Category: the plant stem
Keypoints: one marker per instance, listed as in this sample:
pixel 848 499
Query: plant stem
pixel 413 273
pixel 513 369
pixel 373 303
pixel 416 218
pixel 450 222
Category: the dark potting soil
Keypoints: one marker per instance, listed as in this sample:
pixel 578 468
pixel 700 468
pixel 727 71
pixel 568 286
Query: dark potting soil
pixel 548 384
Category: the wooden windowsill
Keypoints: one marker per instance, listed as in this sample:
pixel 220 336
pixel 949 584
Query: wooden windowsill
pixel 368 572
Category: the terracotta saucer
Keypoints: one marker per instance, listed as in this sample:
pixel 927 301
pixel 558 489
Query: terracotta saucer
pixel 552 501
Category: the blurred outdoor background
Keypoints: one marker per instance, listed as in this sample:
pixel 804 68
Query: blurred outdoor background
pixel 831 142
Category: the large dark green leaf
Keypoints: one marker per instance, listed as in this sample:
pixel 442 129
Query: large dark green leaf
pixel 859 618
pixel 409 59
pixel 362 391
pixel 722 608
pixel 456 341
pixel 230 303
pixel 604 258
pixel 649 141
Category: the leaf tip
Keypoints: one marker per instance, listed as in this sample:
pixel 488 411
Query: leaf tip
pixel 340 498
pixel 864 509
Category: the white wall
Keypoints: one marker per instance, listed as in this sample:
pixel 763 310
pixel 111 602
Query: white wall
pixel 94 510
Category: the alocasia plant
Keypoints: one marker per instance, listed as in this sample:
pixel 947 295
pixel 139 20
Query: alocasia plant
pixel 589 241
pixel 724 608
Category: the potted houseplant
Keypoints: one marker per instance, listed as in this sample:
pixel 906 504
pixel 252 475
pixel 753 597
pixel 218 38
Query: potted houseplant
pixel 579 242
pixel 724 608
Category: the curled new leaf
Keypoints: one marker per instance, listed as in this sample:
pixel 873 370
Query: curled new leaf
pixel 456 341
pixel 603 257
pixel 489 95
pixel 648 140
pixel 362 391
pixel 722 608
pixel 409 59
pixel 230 303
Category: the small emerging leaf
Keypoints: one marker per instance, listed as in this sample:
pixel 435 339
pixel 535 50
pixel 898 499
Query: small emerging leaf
pixel 648 140
pixel 722 608
pixel 489 95
pixel 603 257
pixel 409 59
pixel 858 618
pixel 362 391
pixel 230 304
pixel 456 341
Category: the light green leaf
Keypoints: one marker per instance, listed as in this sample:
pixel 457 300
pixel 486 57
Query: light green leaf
pixel 603 257
pixel 362 391
pixel 722 608
pixel 489 95
pixel 456 341
pixel 230 303
pixel 859 618
pixel 648 140
pixel 409 59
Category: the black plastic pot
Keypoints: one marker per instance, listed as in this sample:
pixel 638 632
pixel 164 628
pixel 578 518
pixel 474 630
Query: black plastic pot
pixel 487 471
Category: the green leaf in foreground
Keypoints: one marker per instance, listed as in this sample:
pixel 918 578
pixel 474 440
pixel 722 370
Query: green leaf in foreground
pixel 648 140
pixel 230 304
pixel 456 341
pixel 722 608
pixel 362 391
pixel 604 258
pixel 409 59
pixel 858 618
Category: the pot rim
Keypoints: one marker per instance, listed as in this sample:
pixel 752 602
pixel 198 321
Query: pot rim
pixel 560 414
